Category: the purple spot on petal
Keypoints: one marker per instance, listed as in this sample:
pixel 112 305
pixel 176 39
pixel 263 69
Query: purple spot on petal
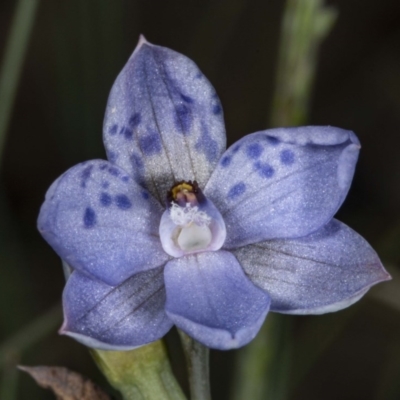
pixel 254 150
pixel 136 161
pixel 183 118
pixel 89 218
pixel 145 195
pixel 125 178
pixel 264 169
pixel 225 161
pixel 207 144
pixel 105 184
pixel 103 167
pixel 126 132
pixel 86 175
pixel 216 109
pixel 272 140
pixel 113 171
pixel 199 75
pixel 135 120
pixel 187 99
pixel 122 202
pixel 105 199
pixel 287 157
pixel 150 143
pixel 237 190
pixel 113 130
pixel 236 148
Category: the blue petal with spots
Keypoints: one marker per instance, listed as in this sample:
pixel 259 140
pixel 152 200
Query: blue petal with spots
pixel 294 183
pixel 102 233
pixel 167 118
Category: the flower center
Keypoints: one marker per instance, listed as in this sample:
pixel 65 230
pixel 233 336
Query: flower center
pixel 191 223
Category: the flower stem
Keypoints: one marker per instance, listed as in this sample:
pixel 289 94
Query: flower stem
pixel 197 359
pixel 140 374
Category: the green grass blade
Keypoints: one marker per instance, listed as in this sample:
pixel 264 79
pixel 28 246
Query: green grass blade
pixel 13 59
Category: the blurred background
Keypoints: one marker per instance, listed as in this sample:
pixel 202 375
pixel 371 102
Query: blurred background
pixel 76 49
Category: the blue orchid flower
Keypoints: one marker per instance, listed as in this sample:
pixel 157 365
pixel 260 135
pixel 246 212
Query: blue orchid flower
pixel 175 229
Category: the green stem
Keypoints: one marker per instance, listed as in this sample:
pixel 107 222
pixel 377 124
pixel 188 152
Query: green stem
pixel 197 359
pixel 140 374
pixel 16 46
pixel 305 24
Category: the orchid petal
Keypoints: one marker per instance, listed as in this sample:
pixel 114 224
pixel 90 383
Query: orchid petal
pixel 101 222
pixel 164 122
pixel 324 272
pixel 210 298
pixel 282 183
pixel 115 318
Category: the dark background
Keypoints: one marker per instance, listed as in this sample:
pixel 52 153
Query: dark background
pixel 77 48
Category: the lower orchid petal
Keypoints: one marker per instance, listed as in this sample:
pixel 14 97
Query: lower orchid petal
pixel 115 318
pixel 102 223
pixel 282 183
pixel 323 272
pixel 211 299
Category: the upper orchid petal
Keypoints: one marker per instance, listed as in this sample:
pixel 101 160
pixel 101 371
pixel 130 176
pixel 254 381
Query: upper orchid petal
pixel 324 272
pixel 115 318
pixel 282 183
pixel 164 122
pixel 210 298
pixel 101 222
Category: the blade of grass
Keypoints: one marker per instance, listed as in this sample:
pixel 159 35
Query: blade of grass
pixel 12 348
pixel 30 334
pixel 13 59
pixel 262 367
pixel 9 380
pixel 305 24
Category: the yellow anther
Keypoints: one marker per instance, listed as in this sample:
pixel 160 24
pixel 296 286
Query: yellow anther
pixel 181 188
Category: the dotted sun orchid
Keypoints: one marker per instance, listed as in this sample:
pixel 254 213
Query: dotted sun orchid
pixel 175 229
